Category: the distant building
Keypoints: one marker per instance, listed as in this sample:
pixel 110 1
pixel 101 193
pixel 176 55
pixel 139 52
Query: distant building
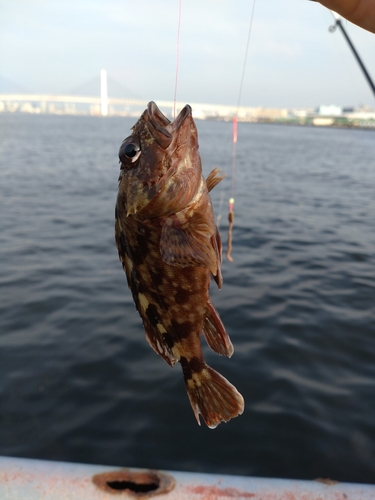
pixel 331 110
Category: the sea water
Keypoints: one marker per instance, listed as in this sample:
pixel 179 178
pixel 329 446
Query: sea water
pixel 78 381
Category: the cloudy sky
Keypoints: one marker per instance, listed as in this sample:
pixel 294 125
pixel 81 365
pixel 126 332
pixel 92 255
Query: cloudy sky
pixel 54 46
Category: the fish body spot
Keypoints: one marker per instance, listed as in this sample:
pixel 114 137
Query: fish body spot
pixel 128 263
pixel 169 340
pixel 169 272
pixel 149 140
pixel 152 314
pixel 161 328
pixel 143 301
pixel 157 277
pixel 182 295
pixel 176 350
pixel 196 379
pixel 197 365
pixel 190 382
pixel 183 329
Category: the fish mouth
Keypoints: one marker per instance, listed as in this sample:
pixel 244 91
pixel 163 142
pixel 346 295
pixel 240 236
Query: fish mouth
pixel 164 129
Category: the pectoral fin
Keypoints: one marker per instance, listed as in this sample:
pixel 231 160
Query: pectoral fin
pixel 187 241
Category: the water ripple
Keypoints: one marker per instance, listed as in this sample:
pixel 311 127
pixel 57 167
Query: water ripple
pixel 78 380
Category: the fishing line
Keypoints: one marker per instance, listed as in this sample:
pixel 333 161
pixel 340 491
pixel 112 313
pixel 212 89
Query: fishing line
pixel 234 142
pixel 245 59
pixel 177 57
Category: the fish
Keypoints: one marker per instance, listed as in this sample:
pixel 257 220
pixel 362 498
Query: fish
pixel 170 247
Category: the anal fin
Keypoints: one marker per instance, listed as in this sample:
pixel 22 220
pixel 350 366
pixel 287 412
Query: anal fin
pixel 215 333
pixel 217 246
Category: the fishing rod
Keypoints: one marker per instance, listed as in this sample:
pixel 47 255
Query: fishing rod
pixel 332 29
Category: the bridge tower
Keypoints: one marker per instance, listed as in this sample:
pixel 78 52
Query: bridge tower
pixel 103 93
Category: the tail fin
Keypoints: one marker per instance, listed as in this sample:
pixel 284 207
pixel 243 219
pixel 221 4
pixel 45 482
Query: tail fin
pixel 212 396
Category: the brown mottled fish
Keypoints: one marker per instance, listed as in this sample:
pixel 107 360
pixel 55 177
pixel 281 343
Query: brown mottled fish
pixel 169 247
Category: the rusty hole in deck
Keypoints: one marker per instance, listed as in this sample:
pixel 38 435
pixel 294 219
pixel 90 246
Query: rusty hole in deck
pixel 137 484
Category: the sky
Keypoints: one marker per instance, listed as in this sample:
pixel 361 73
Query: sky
pixel 57 47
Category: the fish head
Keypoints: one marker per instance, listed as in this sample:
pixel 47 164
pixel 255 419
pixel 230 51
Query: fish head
pixel 160 164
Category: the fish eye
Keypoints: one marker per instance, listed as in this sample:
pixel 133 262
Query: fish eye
pixel 130 151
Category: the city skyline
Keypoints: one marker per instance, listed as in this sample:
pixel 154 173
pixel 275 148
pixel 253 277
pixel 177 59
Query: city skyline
pixel 293 61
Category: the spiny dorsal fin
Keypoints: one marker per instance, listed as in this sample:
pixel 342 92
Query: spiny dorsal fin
pixel 214 178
